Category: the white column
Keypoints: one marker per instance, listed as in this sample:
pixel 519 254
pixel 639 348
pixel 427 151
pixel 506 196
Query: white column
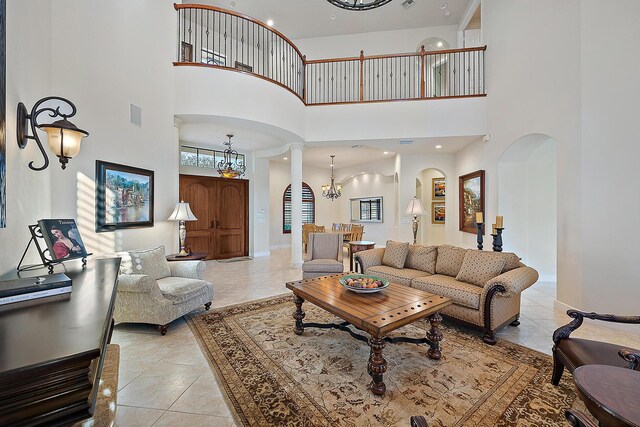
pixel 296 205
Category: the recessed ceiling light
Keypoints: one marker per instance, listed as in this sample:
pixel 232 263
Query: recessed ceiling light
pixel 270 22
pixel 447 14
pixel 439 44
pixel 438 146
pixel 232 4
pixel 285 158
pixel 386 152
pixel 333 17
pixel 443 6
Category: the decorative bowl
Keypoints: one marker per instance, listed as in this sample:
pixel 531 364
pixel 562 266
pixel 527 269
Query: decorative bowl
pixel 359 290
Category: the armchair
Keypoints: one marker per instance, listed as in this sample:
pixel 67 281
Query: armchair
pixel 162 292
pixel 575 352
pixel 324 255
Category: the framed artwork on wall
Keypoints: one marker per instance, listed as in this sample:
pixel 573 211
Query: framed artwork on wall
pixel 471 194
pixel 437 188
pixel 243 67
pixel 124 197
pixel 186 52
pixel 437 213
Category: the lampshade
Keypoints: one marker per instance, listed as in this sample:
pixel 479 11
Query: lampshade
pixel 182 212
pixel 415 207
pixel 72 138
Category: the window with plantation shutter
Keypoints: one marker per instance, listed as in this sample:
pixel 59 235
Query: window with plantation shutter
pixel 308 207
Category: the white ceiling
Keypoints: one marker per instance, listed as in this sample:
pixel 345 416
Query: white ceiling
pixel 298 19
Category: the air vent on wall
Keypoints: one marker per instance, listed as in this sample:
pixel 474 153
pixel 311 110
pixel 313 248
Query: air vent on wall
pixel 408 3
pixel 406 141
pixel 135 115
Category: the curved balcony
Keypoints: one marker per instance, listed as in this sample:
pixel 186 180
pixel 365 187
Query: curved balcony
pixel 209 36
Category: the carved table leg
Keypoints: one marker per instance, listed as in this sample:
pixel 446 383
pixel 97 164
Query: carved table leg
pixel 377 366
pixel 298 315
pixel 434 336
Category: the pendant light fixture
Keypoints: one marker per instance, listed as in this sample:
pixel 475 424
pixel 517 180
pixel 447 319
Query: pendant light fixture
pixel 332 191
pixel 358 4
pixel 231 166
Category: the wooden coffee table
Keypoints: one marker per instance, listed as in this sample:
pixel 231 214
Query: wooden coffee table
pixel 377 314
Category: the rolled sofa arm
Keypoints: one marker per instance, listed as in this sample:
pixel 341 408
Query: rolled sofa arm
pixel 369 258
pixel 188 269
pixel 514 281
pixel 139 283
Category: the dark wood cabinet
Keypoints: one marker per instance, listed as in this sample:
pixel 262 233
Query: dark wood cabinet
pixel 52 349
pixel 222 208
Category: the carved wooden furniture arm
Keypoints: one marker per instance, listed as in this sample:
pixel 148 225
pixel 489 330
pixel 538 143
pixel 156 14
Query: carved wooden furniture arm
pixel 418 421
pixel 513 282
pixel 632 358
pixel 369 258
pixel 578 419
pixel 579 316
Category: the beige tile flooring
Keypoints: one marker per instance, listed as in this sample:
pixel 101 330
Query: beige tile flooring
pixel 166 381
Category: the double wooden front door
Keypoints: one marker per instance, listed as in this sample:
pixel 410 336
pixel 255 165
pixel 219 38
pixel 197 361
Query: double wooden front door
pixel 222 208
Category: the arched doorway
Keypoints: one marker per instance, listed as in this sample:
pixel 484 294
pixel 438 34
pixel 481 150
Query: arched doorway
pixel 527 198
pixel 431 229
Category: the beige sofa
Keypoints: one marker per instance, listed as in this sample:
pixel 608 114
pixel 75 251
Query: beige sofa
pixel 485 286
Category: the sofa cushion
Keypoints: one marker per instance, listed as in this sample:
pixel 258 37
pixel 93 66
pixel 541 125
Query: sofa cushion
pixel 402 276
pixel 323 266
pixel 512 261
pixel 395 254
pixel 179 289
pixel 449 260
pixel 479 267
pixel 151 262
pixel 461 293
pixel 422 258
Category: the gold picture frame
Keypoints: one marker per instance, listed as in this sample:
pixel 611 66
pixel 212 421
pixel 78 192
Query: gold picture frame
pixel 438 188
pixel 438 213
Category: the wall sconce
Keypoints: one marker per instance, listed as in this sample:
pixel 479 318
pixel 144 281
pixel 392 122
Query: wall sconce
pixel 64 137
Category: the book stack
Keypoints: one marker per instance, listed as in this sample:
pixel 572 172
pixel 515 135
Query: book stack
pixel 12 291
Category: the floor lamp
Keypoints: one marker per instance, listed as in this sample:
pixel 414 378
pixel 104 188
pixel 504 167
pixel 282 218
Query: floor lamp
pixel 182 213
pixel 415 208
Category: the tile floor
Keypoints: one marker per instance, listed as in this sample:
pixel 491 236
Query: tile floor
pixel 166 381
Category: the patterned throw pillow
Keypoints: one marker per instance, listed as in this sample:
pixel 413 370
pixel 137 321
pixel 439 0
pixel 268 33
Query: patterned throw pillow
pixel 512 261
pixel 395 253
pixel 449 260
pixel 151 262
pixel 479 267
pixel 422 258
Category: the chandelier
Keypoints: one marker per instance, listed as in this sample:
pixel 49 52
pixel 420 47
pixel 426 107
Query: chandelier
pixel 231 166
pixel 358 4
pixel 332 191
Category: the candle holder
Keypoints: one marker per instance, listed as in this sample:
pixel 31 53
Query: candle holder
pixel 497 240
pixel 479 225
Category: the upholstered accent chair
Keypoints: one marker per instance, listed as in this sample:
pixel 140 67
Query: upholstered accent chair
pixel 306 230
pixel 152 290
pixel 324 256
pixel 571 353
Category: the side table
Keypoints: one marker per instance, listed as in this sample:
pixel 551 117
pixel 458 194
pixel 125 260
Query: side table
pixel 357 246
pixel 191 257
pixel 610 393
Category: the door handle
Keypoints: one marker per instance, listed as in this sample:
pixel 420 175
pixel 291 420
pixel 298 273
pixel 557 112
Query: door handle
pixel 212 225
pixel 217 223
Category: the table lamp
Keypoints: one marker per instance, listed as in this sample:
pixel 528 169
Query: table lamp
pixel 415 208
pixel 182 213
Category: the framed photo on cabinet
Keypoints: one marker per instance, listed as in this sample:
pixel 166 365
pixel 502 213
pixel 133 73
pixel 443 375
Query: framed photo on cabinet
pixel 471 194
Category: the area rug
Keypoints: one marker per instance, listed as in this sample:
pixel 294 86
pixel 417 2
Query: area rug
pixel 272 377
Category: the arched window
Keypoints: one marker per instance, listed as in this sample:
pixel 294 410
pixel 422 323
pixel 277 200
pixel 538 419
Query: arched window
pixel 308 207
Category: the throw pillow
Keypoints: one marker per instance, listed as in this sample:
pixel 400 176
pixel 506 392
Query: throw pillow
pixel 512 261
pixel 449 260
pixel 479 267
pixel 422 258
pixel 395 253
pixel 151 262
pixel 126 264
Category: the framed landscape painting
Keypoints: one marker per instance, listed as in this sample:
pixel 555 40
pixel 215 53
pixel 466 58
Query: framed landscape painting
pixel 437 188
pixel 471 193
pixel 437 213
pixel 124 197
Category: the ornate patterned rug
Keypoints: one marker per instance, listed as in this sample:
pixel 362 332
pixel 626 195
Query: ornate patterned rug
pixel 272 377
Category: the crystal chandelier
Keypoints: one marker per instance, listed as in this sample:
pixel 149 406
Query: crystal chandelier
pixel 332 191
pixel 358 4
pixel 231 166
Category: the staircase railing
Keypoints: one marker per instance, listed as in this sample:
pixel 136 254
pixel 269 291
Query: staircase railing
pixel 214 37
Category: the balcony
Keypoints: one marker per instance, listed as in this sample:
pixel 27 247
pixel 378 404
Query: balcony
pixel 213 37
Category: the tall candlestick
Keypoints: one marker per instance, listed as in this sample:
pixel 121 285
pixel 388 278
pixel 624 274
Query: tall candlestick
pixel 479 218
pixel 499 221
pixel 493 229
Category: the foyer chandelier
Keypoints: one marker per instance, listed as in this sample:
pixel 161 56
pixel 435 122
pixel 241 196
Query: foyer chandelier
pixel 358 4
pixel 231 166
pixel 332 191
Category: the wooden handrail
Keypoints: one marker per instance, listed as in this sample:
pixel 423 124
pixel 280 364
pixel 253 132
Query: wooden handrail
pixel 239 15
pixel 397 55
